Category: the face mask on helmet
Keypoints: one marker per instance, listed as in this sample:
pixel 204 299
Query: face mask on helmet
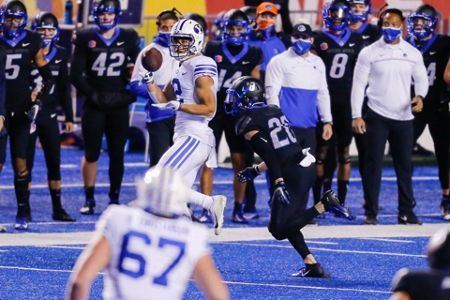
pixel 186 39
pixel 390 34
pixel 245 93
pixel 421 25
pixel 301 46
pixel 13 19
pixel 359 10
pixel 335 17
pixel 47 26
pixel 236 31
pixel 107 14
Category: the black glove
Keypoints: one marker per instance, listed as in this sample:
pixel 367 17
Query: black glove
pixel 248 174
pixel 280 193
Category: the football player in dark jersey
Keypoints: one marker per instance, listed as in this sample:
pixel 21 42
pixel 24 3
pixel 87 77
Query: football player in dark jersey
pixel 338 47
pixel 430 284
pixel 47 128
pixel 435 49
pixel 99 72
pixel 359 20
pixel 3 135
pixel 234 58
pixel 23 54
pixel 291 172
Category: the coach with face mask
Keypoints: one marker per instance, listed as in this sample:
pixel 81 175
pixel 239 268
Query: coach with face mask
pixel 388 67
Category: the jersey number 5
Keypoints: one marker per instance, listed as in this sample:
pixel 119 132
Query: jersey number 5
pixel 12 70
pixel 129 258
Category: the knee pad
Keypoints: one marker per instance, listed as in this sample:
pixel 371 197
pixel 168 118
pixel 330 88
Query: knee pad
pixel 344 160
pixel 91 157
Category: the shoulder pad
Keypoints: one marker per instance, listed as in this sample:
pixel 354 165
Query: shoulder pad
pixel 242 124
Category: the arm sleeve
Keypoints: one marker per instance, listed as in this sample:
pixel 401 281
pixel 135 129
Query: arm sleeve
pixel 78 71
pixel 323 98
pixel 420 77
pixel 264 149
pixel 360 80
pixel 64 91
pixel 273 80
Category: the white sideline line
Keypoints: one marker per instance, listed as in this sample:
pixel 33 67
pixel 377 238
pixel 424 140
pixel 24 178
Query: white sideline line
pixel 332 250
pixel 321 243
pixel 307 287
pixel 389 240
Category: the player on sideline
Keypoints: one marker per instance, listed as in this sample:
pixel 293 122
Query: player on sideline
pixel 2 112
pixel 291 169
pixel 433 283
pixel 151 249
pixel 192 94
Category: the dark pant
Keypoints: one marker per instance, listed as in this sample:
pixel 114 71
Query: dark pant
pixel 400 137
pixel 161 138
pixel 306 137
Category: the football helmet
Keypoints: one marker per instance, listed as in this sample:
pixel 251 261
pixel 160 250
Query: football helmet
pixel 235 18
pixel 186 39
pixel 46 20
pixel 438 249
pixel 217 26
pixel 245 93
pixel 336 15
pixel 199 19
pixel 106 6
pixel 250 11
pixel 359 16
pixel 423 21
pixel 162 191
pixel 13 18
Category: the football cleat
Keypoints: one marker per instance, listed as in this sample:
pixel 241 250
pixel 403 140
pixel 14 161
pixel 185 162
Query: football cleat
pixel 251 214
pixel 445 208
pixel 2 228
pixel 205 217
pixel 311 270
pixel 21 223
pixel 216 211
pixel 407 219
pixel 88 207
pixel 62 215
pixel 239 218
pixel 370 220
pixel 331 203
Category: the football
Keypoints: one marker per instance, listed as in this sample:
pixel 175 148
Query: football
pixel 152 60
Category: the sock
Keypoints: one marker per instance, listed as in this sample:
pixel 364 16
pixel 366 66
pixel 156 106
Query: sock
pixel 327 182
pixel 200 199
pixel 317 189
pixel 56 200
pixel 342 190
pixel 89 192
pixel 298 242
pixel 114 196
pixel 22 195
pixel 237 207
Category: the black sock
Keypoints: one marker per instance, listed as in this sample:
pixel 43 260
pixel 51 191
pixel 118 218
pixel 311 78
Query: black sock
pixel 89 192
pixel 237 207
pixel 22 195
pixel 317 189
pixel 327 182
pixel 114 196
pixel 298 242
pixel 56 199
pixel 342 190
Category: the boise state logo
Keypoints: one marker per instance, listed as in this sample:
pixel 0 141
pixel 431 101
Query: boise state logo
pixel 92 44
pixel 218 58
pixel 301 28
pixel 324 46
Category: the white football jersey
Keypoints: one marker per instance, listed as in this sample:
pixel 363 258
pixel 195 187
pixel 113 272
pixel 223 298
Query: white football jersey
pixel 164 74
pixel 187 124
pixel 152 257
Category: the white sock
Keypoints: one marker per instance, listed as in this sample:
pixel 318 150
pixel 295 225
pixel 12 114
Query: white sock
pixel 200 199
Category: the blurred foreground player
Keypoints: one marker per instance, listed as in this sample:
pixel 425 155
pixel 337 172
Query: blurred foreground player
pixel 151 249
pixel 433 283
pixel 291 169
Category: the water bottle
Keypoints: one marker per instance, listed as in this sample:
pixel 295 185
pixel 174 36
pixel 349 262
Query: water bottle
pixel 68 12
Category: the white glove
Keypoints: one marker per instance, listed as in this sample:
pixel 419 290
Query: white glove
pixel 309 158
pixel 148 78
pixel 173 104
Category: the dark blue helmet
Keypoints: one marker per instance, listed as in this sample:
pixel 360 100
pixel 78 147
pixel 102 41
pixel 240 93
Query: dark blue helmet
pixel 250 11
pixel 13 18
pixel 438 250
pixel 359 16
pixel 429 17
pixel 218 25
pixel 336 15
pixel 46 20
pixel 236 18
pixel 106 6
pixel 245 93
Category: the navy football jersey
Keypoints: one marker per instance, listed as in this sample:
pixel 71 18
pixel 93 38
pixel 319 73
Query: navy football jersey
pixel 339 56
pixel 20 54
pixel 232 63
pixel 369 33
pixel 2 80
pixel 59 93
pixel 436 52
pixel 274 126
pixel 101 64
pixel 424 285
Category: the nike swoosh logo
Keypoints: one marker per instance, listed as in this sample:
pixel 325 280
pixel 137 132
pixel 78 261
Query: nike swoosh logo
pixel 245 62
pixel 25 44
pixel 404 218
pixel 52 116
pixel 57 61
pixel 183 73
pixel 120 43
pixel 432 52
pixel 365 37
pixel 351 44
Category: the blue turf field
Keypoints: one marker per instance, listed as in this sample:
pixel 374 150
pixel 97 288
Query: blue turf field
pixel 361 268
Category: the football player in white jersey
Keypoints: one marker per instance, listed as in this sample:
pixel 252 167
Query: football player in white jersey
pixel 192 94
pixel 150 249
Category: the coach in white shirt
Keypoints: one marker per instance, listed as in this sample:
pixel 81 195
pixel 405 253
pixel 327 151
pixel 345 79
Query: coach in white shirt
pixel 388 67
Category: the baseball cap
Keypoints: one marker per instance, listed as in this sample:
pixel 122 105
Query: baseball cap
pixel 302 30
pixel 265 7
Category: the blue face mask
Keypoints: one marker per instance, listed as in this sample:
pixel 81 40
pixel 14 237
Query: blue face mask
pixel 162 38
pixel 301 46
pixel 390 34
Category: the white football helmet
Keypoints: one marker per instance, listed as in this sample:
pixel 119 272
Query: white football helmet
pixel 186 39
pixel 162 191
